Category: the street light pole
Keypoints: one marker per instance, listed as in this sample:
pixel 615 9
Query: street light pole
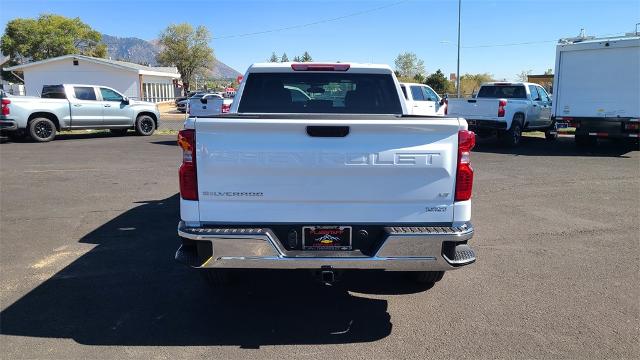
pixel 458 70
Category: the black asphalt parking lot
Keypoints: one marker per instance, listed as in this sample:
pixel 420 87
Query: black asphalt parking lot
pixel 88 228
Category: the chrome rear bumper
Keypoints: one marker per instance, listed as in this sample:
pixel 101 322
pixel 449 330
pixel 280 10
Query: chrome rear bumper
pixel 403 249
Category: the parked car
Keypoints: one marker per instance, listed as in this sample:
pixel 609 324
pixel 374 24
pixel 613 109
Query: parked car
pixel 209 104
pixel 597 87
pixel 68 107
pixel 507 109
pixel 182 104
pixel 342 180
pixel 204 105
pixel 180 98
pixel 422 100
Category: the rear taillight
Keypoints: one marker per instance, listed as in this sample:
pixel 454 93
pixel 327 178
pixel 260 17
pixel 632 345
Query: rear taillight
pixel 320 67
pixel 464 174
pixel 187 173
pixel 226 108
pixel 5 107
pixel 501 105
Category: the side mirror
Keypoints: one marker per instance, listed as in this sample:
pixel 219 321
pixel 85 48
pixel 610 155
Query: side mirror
pixel 125 100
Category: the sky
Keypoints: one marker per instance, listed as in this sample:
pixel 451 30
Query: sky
pixel 499 37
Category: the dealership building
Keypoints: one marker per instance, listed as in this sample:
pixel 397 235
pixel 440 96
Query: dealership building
pixel 149 83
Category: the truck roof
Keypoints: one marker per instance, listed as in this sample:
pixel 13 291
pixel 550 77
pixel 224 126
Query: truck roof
pixel 507 83
pixel 593 39
pixel 353 67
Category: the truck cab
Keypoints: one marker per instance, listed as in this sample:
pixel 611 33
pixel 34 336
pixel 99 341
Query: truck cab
pixel 422 100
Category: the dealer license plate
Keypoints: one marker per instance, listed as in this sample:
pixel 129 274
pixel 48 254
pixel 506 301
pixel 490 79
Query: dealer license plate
pixel 329 238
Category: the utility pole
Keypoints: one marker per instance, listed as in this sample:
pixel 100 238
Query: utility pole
pixel 458 71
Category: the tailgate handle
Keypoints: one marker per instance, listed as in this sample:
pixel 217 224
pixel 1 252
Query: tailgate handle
pixel 327 131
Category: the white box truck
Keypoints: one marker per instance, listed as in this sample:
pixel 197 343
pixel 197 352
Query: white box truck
pixel 597 87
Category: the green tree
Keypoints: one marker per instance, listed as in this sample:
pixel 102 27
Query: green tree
pixel 438 82
pixel 524 75
pixel 548 72
pixel 306 57
pixel 284 58
pixel 419 78
pixel 469 83
pixel 408 65
pixel 274 57
pixel 187 49
pixel 48 36
pixel 297 59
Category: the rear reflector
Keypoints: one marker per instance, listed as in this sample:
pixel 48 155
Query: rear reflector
pixel 464 174
pixel 320 67
pixel 187 172
pixel 501 105
pixel 226 108
pixel 5 107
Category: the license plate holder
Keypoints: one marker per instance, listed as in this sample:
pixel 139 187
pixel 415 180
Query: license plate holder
pixel 327 238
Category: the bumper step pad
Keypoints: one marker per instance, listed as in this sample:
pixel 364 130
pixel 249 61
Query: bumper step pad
pixel 463 255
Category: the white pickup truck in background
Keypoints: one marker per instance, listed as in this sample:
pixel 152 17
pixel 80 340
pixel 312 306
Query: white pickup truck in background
pixel 422 100
pixel 318 166
pixel 507 109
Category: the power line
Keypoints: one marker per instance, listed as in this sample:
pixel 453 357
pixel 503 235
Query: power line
pixel 232 36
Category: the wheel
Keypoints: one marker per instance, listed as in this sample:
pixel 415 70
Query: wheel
pixel 145 125
pixel 426 277
pixel 513 136
pixel 586 140
pixel 118 132
pixel 42 129
pixel 551 133
pixel 216 277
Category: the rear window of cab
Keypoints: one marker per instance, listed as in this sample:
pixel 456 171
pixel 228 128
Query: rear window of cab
pixel 330 92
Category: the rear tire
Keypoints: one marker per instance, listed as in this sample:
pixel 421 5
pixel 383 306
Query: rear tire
pixel 118 132
pixel 586 141
pixel 426 277
pixel 145 125
pixel 512 137
pixel 42 129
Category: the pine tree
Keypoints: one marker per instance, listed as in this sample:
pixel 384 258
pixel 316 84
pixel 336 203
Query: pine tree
pixel 274 57
pixel 284 58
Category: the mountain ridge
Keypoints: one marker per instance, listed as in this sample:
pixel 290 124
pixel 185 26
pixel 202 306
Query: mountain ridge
pixel 144 52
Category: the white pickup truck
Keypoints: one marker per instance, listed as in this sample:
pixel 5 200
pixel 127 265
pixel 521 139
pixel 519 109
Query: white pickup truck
pixel 507 109
pixel 340 178
pixel 422 100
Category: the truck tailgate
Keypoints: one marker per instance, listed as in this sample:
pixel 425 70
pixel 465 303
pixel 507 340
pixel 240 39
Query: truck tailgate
pixel 270 170
pixel 485 109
